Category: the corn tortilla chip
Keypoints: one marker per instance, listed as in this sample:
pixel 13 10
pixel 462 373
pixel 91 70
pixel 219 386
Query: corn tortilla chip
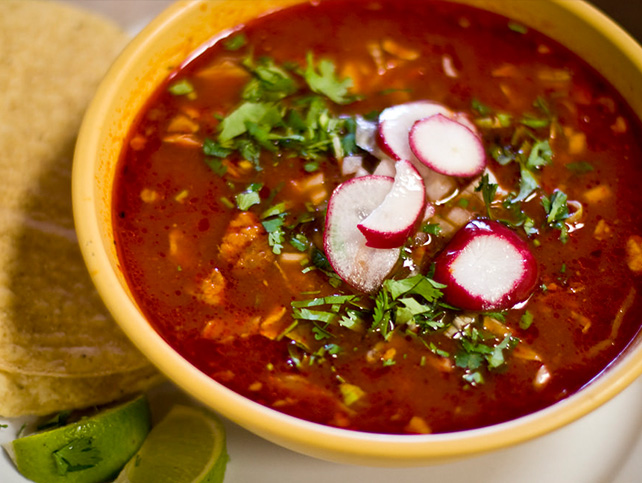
pixel 40 395
pixel 53 325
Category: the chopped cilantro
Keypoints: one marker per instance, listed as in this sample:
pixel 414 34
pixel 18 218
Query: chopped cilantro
pixel 481 108
pixel 273 220
pixel 322 80
pixel 535 122
pixel 580 167
pixel 352 319
pixel 319 260
pixel 437 351
pixel 311 166
pixel 235 42
pixel 270 82
pixel 528 183
pixel 540 155
pixel 431 228
pixel 249 150
pixel 480 350
pixel 216 165
pixel 226 202
pixel 275 240
pixel 351 393
pixel 473 378
pixel 488 191
pixel 249 197
pixel 503 155
pixel 526 320
pixel 299 242
pixel 556 208
pixel 500 316
pixel 181 87
pixel 517 27
pixel 529 227
pixel 273 224
pixel 497 357
pixel 236 123
pixel 415 300
pixel 288 108
pixel 274 210
pixel 320 333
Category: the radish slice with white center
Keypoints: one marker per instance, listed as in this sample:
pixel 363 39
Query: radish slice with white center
pixel 447 146
pixel 396 121
pixel 390 224
pixel 359 265
pixel 486 266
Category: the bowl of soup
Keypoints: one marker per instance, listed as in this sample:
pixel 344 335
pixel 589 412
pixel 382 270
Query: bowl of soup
pixel 374 231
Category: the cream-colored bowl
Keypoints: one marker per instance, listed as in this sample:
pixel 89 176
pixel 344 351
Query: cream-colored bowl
pixel 161 47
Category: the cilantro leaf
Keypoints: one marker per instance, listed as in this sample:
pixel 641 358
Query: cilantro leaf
pixel 526 320
pixel 235 42
pixel 181 87
pixel 528 183
pixel 540 155
pixel 517 27
pixel 488 191
pixel 431 228
pixel 249 197
pixel 323 80
pixel 212 148
pixel 235 123
pixel 556 208
pixel 270 82
pixel 580 167
pixel 497 357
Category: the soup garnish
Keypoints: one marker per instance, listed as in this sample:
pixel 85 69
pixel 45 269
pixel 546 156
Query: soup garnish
pixel 414 218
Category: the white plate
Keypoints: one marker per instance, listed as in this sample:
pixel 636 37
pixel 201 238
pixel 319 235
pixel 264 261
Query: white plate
pixel 605 446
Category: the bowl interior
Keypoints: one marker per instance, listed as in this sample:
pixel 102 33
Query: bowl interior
pixel 162 47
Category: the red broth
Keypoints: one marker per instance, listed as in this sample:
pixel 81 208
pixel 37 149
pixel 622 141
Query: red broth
pixel 204 272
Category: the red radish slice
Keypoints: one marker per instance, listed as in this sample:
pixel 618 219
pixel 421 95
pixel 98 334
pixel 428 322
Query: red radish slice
pixel 396 121
pixel 486 266
pixel 359 265
pixel 389 225
pixel 447 146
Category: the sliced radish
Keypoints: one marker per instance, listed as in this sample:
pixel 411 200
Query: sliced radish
pixel 359 265
pixel 447 146
pixel 396 121
pixel 486 266
pixel 389 225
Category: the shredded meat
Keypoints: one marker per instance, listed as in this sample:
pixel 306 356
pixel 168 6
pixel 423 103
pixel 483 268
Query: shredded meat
pixel 245 244
pixel 212 288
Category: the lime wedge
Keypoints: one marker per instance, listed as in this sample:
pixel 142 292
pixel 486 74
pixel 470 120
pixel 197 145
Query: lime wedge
pixel 92 449
pixel 187 446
